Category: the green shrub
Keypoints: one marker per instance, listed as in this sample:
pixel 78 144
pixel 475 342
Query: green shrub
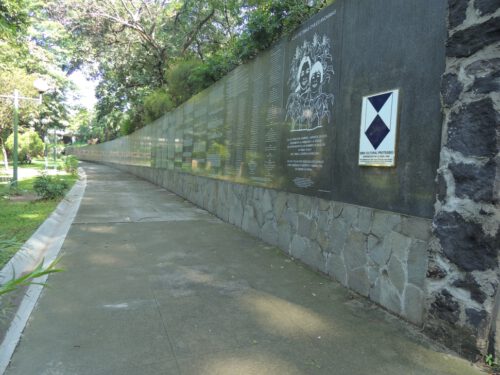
pixel 185 79
pixel 71 164
pixel 29 142
pixel 50 187
pixel 156 105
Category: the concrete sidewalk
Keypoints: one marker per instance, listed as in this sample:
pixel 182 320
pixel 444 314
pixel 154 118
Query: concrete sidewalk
pixel 154 285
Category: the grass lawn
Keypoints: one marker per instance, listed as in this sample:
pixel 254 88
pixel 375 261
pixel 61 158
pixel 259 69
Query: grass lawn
pixel 21 215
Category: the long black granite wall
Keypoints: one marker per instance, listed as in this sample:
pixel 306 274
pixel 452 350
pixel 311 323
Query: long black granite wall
pixel 290 120
pixel 274 148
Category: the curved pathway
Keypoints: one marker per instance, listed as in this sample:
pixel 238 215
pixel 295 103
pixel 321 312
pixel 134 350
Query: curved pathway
pixel 154 285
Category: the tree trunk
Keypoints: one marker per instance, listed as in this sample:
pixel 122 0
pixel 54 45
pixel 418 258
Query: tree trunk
pixel 4 154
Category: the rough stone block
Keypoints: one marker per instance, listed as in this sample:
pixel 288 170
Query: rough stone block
pixel 292 201
pixel 489 282
pixel 323 205
pixel 386 294
pixel 314 257
pixel 445 307
pixel 279 204
pixel 482 68
pixel 373 273
pixel 249 222
pixel 358 281
pixel 336 209
pixel 323 221
pixel 291 217
pixel 476 319
pixel 305 205
pixel 270 232
pixel 365 219
pixel 416 228
pixel 468 41
pixel 338 235
pixel 469 283
pixel 413 304
pixel 222 201
pixel 355 250
pixel 487 84
pixel 474 182
pixel 299 245
pixel 235 211
pixel 379 250
pixel 335 267
pixel 436 272
pixel 323 241
pixel 350 214
pixel 314 229
pixel 284 236
pixel 305 223
pixel 417 263
pixel 258 212
pixel 400 245
pixel 384 223
pixel 465 244
pixel 308 252
pixel 375 291
pixel 457 12
pixel 266 204
pixel 396 273
pixel 486 7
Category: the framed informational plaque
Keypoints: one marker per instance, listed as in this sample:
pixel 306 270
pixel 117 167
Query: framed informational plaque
pixel 378 130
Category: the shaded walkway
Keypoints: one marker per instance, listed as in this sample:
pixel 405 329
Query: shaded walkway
pixel 154 285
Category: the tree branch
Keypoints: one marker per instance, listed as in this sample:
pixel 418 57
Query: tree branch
pixel 196 30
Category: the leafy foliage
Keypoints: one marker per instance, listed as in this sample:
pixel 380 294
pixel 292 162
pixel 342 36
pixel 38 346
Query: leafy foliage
pixel 29 278
pixel 29 143
pixel 50 187
pixel 71 164
pixel 32 46
pixel 173 49
pixel 186 78
pixel 8 247
pixel 157 104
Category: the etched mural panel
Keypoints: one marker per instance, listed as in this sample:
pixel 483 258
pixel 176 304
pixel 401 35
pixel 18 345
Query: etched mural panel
pixel 309 111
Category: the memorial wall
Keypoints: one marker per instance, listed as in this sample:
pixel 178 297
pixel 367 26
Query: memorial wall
pixel 343 109
pixel 325 145
pixel 328 146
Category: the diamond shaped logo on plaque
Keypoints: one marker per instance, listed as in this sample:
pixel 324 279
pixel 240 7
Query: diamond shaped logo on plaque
pixel 378 129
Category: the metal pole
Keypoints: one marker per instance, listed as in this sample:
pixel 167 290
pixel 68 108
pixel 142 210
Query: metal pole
pixel 55 146
pixel 16 123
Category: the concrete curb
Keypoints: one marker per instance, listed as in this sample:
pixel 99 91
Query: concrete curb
pixel 44 244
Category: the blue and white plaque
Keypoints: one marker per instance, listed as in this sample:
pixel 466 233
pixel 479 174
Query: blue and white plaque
pixel 379 122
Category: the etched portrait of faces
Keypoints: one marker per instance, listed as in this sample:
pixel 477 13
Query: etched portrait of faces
pixel 316 78
pixel 304 73
pixel 309 102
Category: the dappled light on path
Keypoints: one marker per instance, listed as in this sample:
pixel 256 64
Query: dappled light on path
pixel 249 364
pixel 106 259
pixel 286 318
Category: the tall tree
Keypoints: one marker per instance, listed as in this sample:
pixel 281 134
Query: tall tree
pixel 32 46
pixel 135 41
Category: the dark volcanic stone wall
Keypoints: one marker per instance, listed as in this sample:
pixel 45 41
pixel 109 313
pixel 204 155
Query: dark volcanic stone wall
pixel 463 275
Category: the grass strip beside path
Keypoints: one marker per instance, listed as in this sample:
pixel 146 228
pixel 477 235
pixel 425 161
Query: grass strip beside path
pixel 21 215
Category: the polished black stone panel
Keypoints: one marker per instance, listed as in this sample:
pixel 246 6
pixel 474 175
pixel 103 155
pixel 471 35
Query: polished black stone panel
pixel 407 53
pixel 312 71
pixel 290 119
pixel 216 143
